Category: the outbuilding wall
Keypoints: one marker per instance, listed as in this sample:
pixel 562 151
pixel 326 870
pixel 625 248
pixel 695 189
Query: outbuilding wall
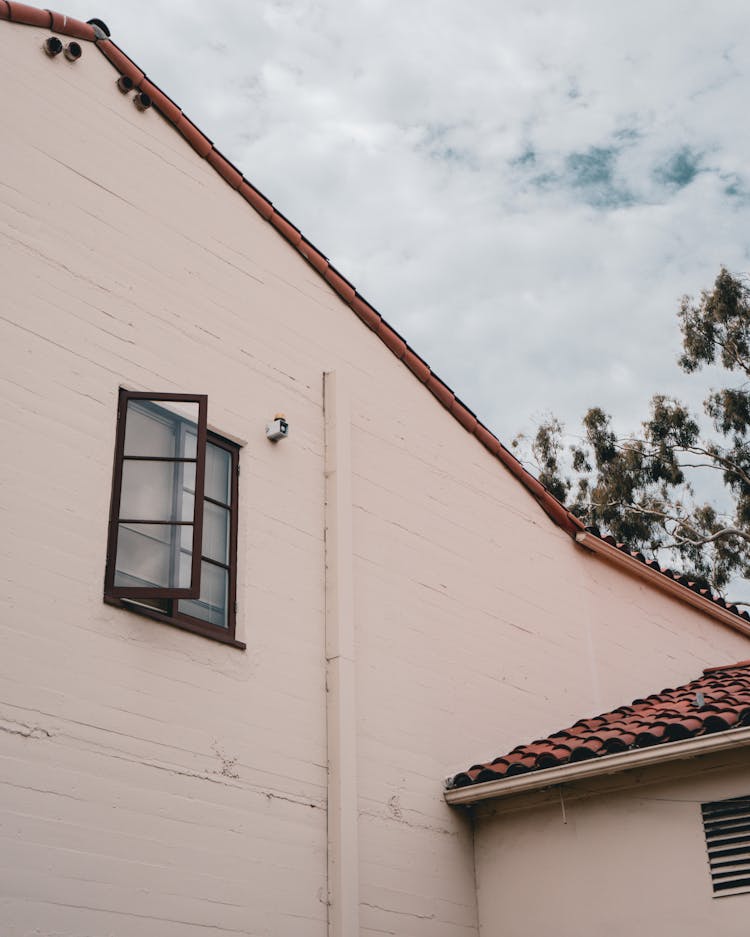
pixel 589 859
pixel 157 782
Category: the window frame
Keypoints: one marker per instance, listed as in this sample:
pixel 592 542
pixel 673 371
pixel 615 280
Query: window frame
pixel 115 519
pixel 136 599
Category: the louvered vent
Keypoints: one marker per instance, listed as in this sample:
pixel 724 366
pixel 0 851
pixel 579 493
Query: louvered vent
pixel 727 827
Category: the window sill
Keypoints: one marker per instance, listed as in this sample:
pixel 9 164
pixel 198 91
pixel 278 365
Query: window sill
pixel 204 632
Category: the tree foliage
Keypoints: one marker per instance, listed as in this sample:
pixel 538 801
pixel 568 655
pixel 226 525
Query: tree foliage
pixel 641 488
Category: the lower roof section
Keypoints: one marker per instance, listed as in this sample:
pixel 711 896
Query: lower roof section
pixel 709 713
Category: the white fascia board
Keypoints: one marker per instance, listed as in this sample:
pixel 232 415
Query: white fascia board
pixel 596 767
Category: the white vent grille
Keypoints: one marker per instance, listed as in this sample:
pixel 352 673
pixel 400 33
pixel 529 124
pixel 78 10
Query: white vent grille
pixel 727 827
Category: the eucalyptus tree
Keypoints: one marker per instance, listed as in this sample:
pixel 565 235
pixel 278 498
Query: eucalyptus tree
pixel 641 487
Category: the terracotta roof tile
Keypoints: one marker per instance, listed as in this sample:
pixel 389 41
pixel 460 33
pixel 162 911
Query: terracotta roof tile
pixel 372 320
pixel 221 164
pixel 160 100
pixel 342 286
pixel 416 365
pixel 247 191
pixel 69 26
pixel 30 16
pixel 203 146
pixel 715 702
pixel 397 345
pixel 121 62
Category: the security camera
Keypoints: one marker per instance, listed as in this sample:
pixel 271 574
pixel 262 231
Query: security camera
pixel 278 429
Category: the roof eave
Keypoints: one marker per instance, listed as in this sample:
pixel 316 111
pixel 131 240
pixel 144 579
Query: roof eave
pixel 596 767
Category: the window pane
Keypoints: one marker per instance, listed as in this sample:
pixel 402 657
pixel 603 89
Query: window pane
pixel 154 430
pixel 212 604
pixel 186 470
pixel 149 491
pixel 186 562
pixel 218 468
pixel 150 555
pixel 190 444
pixel 215 532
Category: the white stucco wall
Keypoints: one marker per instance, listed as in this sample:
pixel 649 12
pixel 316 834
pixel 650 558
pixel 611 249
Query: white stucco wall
pixel 154 781
pixel 610 861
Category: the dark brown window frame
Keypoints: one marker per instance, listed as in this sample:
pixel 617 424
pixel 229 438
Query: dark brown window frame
pixel 136 600
pixel 115 519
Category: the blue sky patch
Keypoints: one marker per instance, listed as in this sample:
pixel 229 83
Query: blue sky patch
pixel 592 174
pixel 680 169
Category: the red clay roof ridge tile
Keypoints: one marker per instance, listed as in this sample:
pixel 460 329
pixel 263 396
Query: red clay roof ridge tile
pixel 27 15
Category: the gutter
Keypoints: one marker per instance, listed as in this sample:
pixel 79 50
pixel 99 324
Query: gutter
pixel 596 767
pixel 676 589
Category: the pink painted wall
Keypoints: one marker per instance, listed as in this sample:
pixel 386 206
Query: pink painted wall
pixel 154 780
pixel 616 862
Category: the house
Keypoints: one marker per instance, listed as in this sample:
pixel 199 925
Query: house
pixel 235 670
pixel 635 820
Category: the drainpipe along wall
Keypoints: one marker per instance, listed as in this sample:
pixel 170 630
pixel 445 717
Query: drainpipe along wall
pixel 341 712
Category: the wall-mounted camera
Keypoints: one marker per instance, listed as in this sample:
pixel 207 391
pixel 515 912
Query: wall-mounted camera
pixel 278 429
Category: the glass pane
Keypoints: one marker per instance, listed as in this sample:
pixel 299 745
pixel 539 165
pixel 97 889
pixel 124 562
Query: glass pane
pixel 212 604
pixel 149 491
pixel 149 555
pixel 215 532
pixel 186 471
pixel 186 562
pixel 154 430
pixel 186 538
pixel 218 468
pixel 190 444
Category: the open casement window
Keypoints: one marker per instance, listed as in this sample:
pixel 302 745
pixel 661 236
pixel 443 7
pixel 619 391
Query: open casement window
pixel 157 498
pixel 173 522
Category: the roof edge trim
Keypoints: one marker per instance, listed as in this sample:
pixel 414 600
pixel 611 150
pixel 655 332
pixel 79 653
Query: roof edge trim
pixel 606 764
pixel 657 578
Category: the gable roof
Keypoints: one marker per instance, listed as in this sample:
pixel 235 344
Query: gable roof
pixel 717 701
pixel 96 32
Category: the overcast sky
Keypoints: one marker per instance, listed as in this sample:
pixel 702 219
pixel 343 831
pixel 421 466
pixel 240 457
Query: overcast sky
pixel 523 190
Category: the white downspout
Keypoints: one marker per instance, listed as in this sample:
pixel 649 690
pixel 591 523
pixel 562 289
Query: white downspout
pixel 341 711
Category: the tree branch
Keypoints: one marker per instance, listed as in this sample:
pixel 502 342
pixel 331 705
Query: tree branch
pixel 702 541
pixel 680 522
